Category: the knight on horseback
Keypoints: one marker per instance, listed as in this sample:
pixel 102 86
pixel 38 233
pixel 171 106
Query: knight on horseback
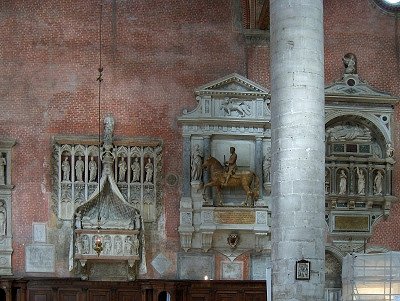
pixel 230 165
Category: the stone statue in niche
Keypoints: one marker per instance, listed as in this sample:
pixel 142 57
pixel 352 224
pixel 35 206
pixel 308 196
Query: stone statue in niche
pixel 122 166
pixel 3 219
pixel 267 166
pixel 107 245
pixel 350 63
pixel 128 245
pixel 78 220
pixel 149 168
pixel 360 182
pixel 135 170
pixel 378 183
pixel 85 244
pixel 136 245
pixel 79 168
pixel 3 164
pixel 230 105
pixel 196 162
pixel 66 168
pixel 118 245
pixel 92 170
pixel 342 182
pixel 230 165
pixel 389 150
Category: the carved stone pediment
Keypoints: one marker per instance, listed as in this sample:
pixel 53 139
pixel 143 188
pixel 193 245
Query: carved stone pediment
pixel 232 100
pixel 233 84
pixel 352 85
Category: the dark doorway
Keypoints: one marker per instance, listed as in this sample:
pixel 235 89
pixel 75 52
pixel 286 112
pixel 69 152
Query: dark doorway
pixel 164 296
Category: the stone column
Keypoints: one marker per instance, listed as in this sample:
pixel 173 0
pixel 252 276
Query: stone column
pixel 298 150
pixel 186 167
pixel 258 161
pixel 207 153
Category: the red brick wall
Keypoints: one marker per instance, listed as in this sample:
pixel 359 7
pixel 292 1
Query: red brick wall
pixel 154 55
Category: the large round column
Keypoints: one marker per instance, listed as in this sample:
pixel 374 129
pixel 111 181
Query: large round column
pixel 298 151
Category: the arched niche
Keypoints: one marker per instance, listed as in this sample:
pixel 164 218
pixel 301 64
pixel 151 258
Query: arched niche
pixel 360 129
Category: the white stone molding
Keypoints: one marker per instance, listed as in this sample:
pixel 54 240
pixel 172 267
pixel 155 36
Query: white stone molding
pixel 6 238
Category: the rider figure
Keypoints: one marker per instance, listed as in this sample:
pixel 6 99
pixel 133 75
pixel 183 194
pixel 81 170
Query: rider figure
pixel 230 164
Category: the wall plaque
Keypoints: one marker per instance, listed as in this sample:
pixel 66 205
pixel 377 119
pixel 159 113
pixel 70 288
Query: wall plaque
pixel 351 223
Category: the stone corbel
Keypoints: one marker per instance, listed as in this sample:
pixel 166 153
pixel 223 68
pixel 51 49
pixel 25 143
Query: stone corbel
pixel 186 238
pixel 206 241
pixel 262 239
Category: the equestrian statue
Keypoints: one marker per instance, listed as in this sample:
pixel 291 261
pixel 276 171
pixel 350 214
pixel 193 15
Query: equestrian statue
pixel 221 177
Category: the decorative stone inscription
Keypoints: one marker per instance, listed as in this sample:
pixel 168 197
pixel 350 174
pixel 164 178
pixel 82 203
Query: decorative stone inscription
pixel 259 265
pixel 232 270
pixel 39 232
pixel 351 223
pixel 195 266
pixel 40 258
pixel 235 217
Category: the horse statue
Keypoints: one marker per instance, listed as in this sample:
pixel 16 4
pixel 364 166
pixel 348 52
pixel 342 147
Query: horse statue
pixel 246 179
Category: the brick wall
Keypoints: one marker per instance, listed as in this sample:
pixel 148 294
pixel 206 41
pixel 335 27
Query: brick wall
pixel 155 53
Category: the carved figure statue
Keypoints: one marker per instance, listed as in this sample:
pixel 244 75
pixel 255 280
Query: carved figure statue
pixel 378 183
pixel 135 170
pixel 389 150
pixel 107 245
pixel 78 220
pixel 136 245
pixel 3 164
pixel 118 245
pixel 92 170
pixel 137 224
pixel 66 168
pixel 108 129
pixel 245 179
pixel 85 245
pixel 267 166
pixel 230 164
pixel 3 219
pixel 149 170
pixel 350 63
pixel 348 132
pixel 79 168
pixel 231 104
pixel 197 160
pixel 360 182
pixel 122 170
pixel 128 246
pixel 342 182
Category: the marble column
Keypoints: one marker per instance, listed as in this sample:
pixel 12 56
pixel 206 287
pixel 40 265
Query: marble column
pixel 258 158
pixel 207 153
pixel 298 150
pixel 186 167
